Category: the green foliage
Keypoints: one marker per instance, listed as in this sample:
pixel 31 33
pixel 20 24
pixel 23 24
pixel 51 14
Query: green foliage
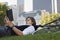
pixel 46 18
pixel 3 8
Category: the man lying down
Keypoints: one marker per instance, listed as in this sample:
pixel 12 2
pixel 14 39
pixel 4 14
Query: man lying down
pixel 10 29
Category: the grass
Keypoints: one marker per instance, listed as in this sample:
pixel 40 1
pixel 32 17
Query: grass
pixel 40 35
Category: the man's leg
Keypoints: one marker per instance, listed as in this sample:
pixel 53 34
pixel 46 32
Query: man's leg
pixel 4 31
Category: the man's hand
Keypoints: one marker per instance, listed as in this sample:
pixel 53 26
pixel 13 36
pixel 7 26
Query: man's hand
pixel 7 22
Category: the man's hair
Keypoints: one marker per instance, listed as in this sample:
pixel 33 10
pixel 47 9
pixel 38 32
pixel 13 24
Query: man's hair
pixel 32 19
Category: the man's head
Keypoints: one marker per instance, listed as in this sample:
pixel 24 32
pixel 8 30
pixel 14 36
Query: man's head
pixel 30 21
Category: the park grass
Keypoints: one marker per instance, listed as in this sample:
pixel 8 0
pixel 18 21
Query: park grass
pixel 37 36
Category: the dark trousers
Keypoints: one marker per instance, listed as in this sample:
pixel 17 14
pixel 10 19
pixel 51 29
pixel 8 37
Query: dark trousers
pixel 5 31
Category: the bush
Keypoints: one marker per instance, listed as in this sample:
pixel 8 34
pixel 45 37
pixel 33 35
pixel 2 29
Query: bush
pixel 3 8
pixel 46 18
pixel 1 19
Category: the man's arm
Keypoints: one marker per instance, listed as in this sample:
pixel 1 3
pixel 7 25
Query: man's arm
pixel 17 31
pixel 11 25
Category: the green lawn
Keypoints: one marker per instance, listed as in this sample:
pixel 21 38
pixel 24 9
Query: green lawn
pixel 40 35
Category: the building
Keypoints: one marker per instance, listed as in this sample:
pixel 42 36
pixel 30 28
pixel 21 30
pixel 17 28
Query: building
pixel 51 6
pixel 58 6
pixel 30 5
pixel 20 5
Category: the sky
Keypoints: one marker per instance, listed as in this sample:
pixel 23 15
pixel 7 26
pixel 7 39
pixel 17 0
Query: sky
pixel 10 2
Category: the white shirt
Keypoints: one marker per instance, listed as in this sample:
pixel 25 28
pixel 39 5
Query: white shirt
pixel 29 30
